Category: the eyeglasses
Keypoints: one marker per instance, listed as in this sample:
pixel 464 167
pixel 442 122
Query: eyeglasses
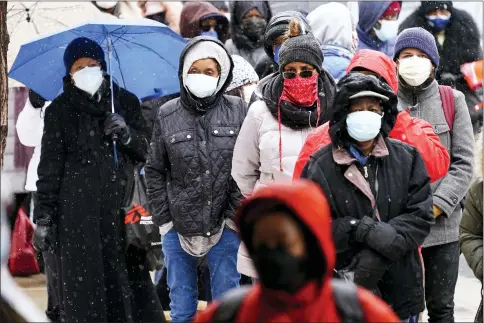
pixel 303 74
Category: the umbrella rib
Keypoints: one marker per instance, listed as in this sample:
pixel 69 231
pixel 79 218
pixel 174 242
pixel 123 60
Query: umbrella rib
pixel 146 47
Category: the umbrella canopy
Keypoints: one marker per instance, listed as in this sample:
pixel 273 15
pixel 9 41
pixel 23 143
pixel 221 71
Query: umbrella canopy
pixel 29 20
pixel 145 56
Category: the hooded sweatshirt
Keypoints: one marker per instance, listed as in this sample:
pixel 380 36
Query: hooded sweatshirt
pixel 194 12
pixel 413 131
pixel 333 28
pixel 314 302
pixel 240 44
pixel 369 14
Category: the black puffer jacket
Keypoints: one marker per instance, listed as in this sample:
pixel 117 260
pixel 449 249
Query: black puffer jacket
pixel 384 245
pixel 188 171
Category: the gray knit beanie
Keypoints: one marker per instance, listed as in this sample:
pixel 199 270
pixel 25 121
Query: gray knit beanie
pixel 418 38
pixel 303 48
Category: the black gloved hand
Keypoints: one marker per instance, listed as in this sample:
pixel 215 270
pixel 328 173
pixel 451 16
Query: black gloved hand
pixel 36 100
pixel 44 239
pixel 364 227
pixel 115 124
pixel 370 268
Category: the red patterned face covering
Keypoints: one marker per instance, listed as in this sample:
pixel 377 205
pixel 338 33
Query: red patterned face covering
pixel 301 91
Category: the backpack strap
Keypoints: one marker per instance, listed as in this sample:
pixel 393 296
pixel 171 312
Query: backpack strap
pixel 230 304
pixel 347 302
pixel 448 104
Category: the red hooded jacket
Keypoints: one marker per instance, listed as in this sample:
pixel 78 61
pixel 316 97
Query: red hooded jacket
pixel 413 131
pixel 313 302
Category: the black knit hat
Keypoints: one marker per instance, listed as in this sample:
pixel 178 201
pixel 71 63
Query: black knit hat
pixel 428 6
pixel 303 48
pixel 83 47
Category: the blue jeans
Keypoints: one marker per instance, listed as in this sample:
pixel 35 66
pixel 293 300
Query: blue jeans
pixel 182 273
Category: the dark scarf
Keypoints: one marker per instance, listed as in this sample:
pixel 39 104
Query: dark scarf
pixel 242 41
pixel 296 117
pixel 91 112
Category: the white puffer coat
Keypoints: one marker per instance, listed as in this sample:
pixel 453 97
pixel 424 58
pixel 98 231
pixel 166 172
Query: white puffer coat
pixel 256 160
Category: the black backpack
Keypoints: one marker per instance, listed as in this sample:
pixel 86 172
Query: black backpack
pixel 344 293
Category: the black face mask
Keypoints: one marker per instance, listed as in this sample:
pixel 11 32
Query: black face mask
pixel 279 270
pixel 254 28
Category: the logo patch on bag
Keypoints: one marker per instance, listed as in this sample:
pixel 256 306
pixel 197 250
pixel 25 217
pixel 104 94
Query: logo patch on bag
pixel 137 214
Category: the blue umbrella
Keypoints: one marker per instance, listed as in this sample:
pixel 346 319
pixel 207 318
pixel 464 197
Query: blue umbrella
pixel 143 56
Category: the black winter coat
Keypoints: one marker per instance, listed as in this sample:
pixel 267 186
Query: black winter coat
pixel 80 193
pixel 390 196
pixel 405 211
pixel 188 171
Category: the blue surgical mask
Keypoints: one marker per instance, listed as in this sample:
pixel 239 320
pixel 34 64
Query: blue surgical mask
pixel 438 22
pixel 210 33
pixel 363 125
pixel 276 54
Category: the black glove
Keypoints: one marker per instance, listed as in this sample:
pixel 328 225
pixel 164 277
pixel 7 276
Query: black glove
pixel 364 227
pixel 36 100
pixel 370 269
pixel 115 124
pixel 44 239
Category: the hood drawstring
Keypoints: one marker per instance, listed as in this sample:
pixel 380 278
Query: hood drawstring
pixel 279 124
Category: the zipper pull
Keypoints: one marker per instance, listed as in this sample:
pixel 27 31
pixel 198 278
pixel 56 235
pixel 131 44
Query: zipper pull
pixel 366 171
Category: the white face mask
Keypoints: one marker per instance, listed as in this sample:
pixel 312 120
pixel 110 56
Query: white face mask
pixel 363 125
pixel 388 30
pixel 248 90
pixel 414 70
pixel 201 85
pixel 89 79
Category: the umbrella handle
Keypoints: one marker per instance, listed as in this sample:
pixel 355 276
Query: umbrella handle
pixel 110 58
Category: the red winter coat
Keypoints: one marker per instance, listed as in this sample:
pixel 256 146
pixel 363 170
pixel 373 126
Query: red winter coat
pixel 413 131
pixel 314 301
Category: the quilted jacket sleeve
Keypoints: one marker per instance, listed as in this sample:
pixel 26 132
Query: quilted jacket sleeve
pixel 470 234
pixel 246 158
pixel 407 231
pixel 51 166
pixel 420 134
pixel 156 169
pixel 235 196
pixel 315 141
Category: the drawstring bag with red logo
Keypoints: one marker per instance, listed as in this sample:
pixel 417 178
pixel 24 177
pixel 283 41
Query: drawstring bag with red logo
pixel 141 232
pixel 22 260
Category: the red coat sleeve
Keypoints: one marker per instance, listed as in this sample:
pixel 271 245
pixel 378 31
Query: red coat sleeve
pixel 316 140
pixel 207 314
pixel 420 134
pixel 374 309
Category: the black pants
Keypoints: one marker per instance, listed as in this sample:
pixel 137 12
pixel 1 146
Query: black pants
pixel 441 271
pixel 51 274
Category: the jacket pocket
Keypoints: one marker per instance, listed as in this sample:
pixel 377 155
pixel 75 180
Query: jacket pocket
pixel 181 144
pixel 443 131
pixel 223 137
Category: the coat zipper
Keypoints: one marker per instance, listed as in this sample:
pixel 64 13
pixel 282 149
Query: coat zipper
pixel 366 171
